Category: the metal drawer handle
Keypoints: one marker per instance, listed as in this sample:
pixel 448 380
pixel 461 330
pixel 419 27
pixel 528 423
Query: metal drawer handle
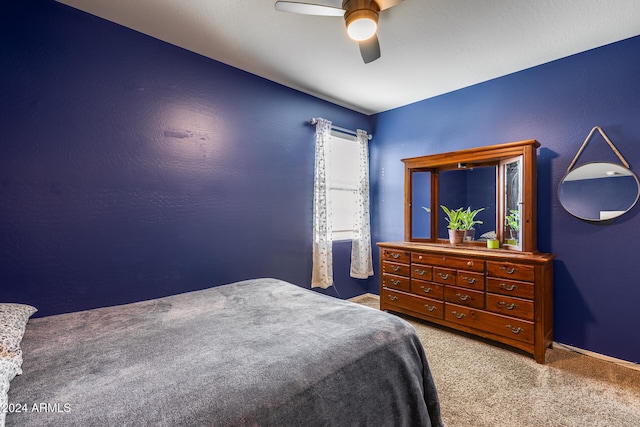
pixel 444 276
pixel 395 255
pixel 463 297
pixel 395 282
pixel 508 287
pixel 508 306
pixel 508 270
pixel 426 290
pixel 392 297
pixel 395 268
pixel 430 307
pixel 458 315
pixel 470 280
pixel 515 330
pixel 421 272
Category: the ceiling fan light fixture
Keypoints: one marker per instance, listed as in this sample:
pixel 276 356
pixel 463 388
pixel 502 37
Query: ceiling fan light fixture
pixel 362 24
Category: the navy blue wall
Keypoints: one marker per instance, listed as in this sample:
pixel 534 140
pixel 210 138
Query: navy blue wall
pixel 131 169
pixel 596 282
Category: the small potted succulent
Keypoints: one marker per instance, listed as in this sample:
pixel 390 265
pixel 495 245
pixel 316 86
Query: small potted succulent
pixel 468 221
pixel 454 224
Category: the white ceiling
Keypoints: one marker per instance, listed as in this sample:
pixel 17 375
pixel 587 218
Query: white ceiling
pixel 429 47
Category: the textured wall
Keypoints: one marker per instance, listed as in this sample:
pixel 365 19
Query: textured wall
pixel 596 286
pixel 130 168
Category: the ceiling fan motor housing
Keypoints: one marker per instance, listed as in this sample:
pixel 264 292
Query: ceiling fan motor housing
pixel 360 9
pixel 353 5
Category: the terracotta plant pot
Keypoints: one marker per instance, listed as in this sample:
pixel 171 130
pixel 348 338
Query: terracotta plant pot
pixel 456 237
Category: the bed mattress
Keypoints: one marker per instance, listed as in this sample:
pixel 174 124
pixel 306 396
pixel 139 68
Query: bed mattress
pixel 256 352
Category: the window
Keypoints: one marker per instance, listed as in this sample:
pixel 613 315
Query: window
pixel 343 171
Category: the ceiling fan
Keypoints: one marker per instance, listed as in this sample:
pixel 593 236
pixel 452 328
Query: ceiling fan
pixel 361 17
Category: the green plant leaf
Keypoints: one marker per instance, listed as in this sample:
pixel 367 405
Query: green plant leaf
pixel 513 219
pixel 468 218
pixel 454 218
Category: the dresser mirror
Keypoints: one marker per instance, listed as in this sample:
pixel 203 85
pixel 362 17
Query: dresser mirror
pixel 421 205
pixel 473 187
pixel 598 191
pixel 512 201
pixel 497 181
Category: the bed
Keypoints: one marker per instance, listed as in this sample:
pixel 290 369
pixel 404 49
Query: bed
pixel 257 352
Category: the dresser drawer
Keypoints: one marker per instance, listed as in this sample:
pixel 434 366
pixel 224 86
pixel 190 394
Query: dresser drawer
pixel 464 296
pixel 427 289
pixel 509 306
pixel 395 268
pixel 425 306
pixel 448 261
pixel 470 280
pixel 396 255
pixel 444 275
pixel 510 287
pixel 510 270
pixel 396 282
pixel 505 326
pixel 421 272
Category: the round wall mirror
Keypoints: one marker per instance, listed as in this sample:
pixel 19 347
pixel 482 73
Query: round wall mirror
pixel 598 191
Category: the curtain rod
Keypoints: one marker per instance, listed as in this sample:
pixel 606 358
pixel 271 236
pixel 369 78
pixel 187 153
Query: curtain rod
pixel 339 129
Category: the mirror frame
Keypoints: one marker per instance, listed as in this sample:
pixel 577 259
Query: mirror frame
pixel 475 157
pixel 564 178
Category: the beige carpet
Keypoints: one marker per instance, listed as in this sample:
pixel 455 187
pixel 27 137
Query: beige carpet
pixel 482 384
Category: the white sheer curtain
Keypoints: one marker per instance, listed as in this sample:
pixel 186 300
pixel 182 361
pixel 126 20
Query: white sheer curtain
pixel 322 275
pixel 361 262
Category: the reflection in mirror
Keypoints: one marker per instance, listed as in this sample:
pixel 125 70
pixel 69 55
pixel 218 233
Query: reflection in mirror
pixel 473 188
pixel 421 205
pixel 512 172
pixel 598 191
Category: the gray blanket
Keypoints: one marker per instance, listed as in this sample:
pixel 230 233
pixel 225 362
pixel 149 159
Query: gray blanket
pixel 258 352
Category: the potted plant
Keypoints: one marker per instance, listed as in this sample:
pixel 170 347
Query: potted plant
pixel 468 221
pixel 455 224
pixel 513 222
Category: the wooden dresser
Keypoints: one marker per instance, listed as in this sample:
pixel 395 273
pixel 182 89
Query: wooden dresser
pixel 504 296
pixel 504 293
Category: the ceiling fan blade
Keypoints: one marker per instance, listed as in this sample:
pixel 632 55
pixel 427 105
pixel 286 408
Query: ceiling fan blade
pixel 308 8
pixel 370 49
pixel 386 4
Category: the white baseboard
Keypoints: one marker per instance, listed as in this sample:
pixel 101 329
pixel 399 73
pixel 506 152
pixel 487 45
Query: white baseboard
pixel 624 363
